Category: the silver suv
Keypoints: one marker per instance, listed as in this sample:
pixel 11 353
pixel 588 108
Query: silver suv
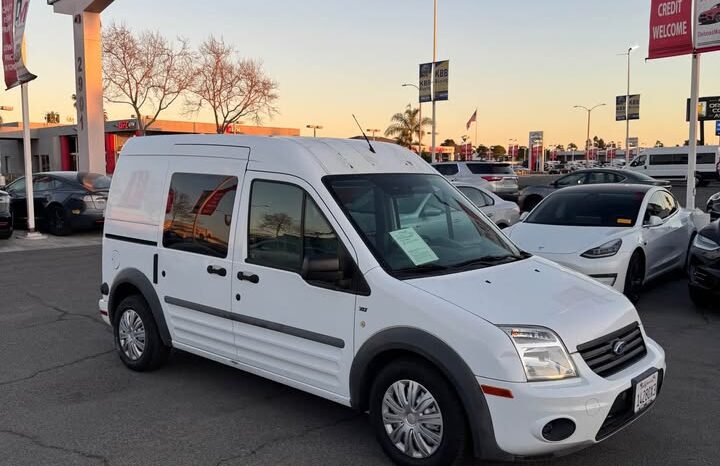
pixel 500 177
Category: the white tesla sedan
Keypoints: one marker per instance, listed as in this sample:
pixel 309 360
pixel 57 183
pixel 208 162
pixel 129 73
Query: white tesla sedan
pixel 621 235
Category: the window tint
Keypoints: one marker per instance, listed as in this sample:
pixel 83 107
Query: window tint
pixel 638 161
pixel 275 225
pixel 571 180
pixel 44 183
pixel 17 186
pixel 199 213
pixel 94 181
pixel 490 169
pixel 658 206
pixel 475 195
pixel 681 159
pixel 447 169
pixel 603 177
pixel 588 209
pixel 663 159
pixel 707 157
pixel 671 203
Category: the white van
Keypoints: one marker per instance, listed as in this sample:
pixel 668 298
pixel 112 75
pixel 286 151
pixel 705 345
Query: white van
pixel 670 163
pixel 306 262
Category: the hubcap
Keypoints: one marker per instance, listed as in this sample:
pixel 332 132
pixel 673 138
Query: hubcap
pixel 412 419
pixel 131 334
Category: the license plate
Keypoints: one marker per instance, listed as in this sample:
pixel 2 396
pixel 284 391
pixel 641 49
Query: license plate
pixel 646 392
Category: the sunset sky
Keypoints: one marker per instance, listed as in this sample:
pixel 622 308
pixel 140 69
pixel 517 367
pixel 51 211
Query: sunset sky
pixel 523 64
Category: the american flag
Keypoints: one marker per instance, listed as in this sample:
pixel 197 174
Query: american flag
pixel 472 119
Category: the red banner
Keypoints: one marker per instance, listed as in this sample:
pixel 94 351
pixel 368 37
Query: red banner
pixel 670 28
pixel 14 15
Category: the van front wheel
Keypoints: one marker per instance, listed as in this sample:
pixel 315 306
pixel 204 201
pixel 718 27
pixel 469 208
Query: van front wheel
pixel 417 417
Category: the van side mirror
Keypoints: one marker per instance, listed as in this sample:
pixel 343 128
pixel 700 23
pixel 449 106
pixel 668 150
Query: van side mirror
pixel 524 215
pixel 321 269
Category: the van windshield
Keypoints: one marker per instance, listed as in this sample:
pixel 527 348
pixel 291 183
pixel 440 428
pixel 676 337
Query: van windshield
pixel 417 224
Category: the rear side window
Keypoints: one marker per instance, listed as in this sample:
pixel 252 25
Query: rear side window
pixel 476 196
pixel 199 213
pixel 490 169
pixel 447 169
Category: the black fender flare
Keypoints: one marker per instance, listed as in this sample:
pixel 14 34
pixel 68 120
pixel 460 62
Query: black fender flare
pixel 138 279
pixel 448 362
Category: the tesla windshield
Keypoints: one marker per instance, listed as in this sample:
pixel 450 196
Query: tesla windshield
pixel 419 224
pixel 588 209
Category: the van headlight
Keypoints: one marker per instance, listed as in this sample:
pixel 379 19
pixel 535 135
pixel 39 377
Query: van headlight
pixel 542 353
pixel 705 243
pixel 606 250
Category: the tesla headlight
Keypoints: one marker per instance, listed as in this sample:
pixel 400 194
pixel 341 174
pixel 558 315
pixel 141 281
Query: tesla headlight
pixel 542 353
pixel 606 250
pixel 705 243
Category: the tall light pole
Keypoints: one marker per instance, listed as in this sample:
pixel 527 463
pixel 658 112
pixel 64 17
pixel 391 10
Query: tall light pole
pixel 422 130
pixel 432 150
pixel 589 111
pixel 314 128
pixel 373 131
pixel 627 100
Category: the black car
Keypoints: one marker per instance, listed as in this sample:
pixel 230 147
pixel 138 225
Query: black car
pixel 64 201
pixel 6 222
pixel 532 195
pixel 704 265
pixel 713 206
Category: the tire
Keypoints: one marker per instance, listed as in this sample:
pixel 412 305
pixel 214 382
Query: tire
pixel 430 444
pixel 502 226
pixel 136 335
pixel 57 221
pixel 635 277
pixel 700 298
pixel 531 202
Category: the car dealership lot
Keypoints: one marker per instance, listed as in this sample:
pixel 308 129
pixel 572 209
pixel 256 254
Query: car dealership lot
pixel 67 399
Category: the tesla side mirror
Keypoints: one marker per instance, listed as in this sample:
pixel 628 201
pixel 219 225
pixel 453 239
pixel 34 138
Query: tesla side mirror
pixel 653 221
pixel 524 215
pixel 325 269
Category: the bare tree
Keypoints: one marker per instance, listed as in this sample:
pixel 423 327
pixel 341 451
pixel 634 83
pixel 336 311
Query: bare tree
pixel 232 87
pixel 145 71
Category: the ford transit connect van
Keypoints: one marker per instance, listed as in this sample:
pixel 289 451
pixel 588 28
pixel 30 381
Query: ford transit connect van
pixel 307 261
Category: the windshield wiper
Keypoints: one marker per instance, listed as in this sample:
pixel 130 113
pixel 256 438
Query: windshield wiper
pixel 487 261
pixel 422 269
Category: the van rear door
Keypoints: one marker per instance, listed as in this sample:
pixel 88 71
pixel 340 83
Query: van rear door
pixel 195 254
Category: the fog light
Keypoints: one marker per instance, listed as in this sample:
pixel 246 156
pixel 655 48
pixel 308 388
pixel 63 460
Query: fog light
pixel 557 430
pixel 606 279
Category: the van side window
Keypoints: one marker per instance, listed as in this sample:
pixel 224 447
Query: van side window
pixel 447 169
pixel 639 161
pixel 289 231
pixel 274 235
pixel 199 213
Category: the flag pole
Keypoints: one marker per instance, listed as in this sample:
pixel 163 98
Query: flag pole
pixel 476 125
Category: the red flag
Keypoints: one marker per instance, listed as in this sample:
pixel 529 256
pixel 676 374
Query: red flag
pixel 473 119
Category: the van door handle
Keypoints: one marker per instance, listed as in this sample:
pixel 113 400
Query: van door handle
pixel 216 270
pixel 248 277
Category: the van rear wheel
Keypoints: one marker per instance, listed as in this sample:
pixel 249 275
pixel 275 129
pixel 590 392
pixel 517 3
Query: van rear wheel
pixel 136 335
pixel 417 417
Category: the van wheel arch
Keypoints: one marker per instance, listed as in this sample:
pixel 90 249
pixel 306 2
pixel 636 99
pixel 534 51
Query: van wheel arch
pixel 405 343
pixel 133 282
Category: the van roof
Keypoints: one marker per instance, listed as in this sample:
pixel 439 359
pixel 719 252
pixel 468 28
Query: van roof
pixel 309 158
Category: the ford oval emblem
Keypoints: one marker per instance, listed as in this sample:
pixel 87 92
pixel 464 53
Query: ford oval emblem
pixel 619 347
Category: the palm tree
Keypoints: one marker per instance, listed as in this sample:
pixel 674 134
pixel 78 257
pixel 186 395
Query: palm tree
pixel 406 125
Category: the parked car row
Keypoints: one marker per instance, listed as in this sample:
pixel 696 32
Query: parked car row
pixel 63 201
pixel 405 301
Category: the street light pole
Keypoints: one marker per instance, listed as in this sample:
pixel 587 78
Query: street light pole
pixel 589 111
pixel 627 102
pixel 314 128
pixel 422 130
pixel 432 150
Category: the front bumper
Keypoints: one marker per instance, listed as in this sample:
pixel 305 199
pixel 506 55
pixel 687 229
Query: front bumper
pixel 704 270
pixel 586 400
pixel 103 308
pixel 610 271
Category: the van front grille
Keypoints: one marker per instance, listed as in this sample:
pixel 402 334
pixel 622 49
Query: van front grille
pixel 615 351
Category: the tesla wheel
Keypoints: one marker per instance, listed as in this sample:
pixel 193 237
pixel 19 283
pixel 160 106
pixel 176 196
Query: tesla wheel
pixel 57 221
pixel 136 336
pixel 417 417
pixel 635 277
pixel 699 297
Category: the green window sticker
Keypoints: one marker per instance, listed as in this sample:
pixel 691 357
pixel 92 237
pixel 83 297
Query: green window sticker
pixel 414 246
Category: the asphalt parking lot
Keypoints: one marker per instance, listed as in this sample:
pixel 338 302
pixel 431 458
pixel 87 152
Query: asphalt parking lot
pixel 66 399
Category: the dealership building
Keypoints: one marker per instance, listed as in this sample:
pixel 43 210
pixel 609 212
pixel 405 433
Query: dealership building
pixel 54 147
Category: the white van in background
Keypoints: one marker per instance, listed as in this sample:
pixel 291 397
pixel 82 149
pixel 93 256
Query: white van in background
pixel 671 163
